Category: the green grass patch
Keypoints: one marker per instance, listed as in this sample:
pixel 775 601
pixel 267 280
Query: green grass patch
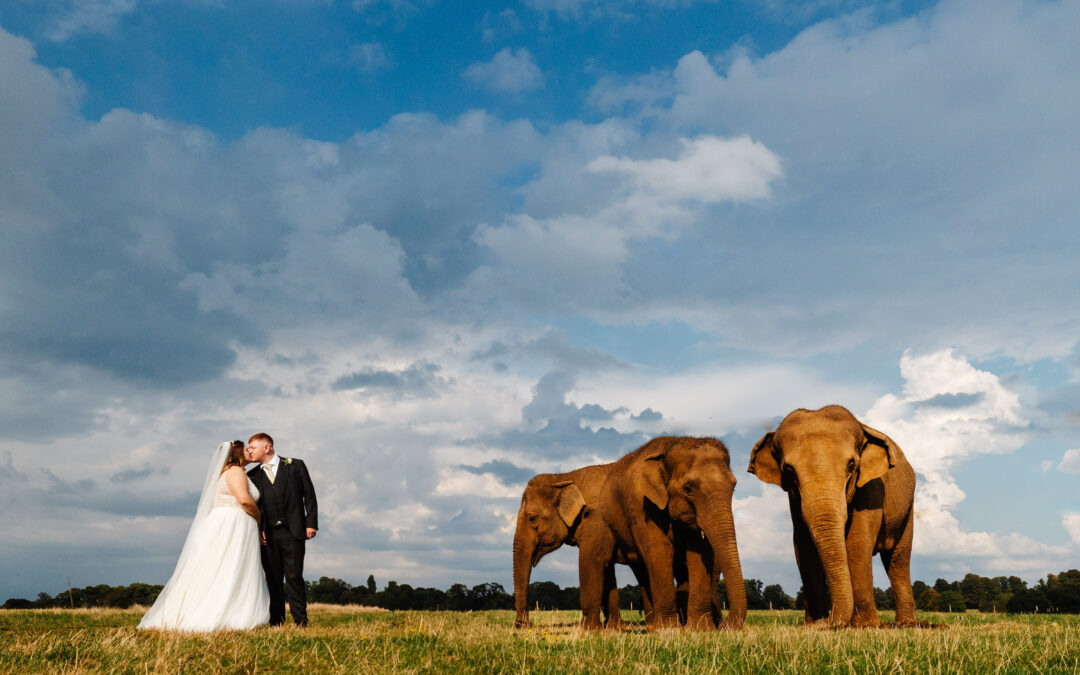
pixel 351 640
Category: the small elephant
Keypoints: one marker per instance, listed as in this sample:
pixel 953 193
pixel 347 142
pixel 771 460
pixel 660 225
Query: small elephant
pixel 851 493
pixel 554 511
pixel 668 506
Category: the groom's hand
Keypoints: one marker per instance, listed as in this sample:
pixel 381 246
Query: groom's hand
pixel 262 537
pixel 311 533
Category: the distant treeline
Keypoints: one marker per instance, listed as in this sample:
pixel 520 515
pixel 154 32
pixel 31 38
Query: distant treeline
pixel 91 596
pixel 1057 593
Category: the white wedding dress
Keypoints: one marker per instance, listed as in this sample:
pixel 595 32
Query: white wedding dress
pixel 218 583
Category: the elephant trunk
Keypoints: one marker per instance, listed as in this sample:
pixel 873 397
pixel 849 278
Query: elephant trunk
pixel 825 513
pixel 524 551
pixel 718 524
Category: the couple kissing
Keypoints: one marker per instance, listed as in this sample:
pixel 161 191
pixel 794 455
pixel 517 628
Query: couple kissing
pixel 244 552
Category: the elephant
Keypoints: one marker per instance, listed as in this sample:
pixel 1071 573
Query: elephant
pixel 667 505
pixel 851 494
pixel 554 511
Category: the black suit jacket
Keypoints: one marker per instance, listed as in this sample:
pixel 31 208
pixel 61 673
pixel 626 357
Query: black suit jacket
pixel 293 485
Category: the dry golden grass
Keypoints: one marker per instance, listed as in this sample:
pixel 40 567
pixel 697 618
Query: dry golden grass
pixel 347 640
pixel 322 607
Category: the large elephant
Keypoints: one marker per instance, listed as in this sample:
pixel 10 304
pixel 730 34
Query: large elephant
pixel 555 511
pixel 851 491
pixel 667 502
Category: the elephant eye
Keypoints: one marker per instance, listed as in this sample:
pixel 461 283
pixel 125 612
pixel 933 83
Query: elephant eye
pixel 850 465
pixel 688 488
pixel 533 518
pixel 789 474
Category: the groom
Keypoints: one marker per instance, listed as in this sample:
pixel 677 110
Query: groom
pixel 289 518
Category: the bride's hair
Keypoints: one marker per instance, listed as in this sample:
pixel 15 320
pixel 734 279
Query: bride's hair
pixel 235 456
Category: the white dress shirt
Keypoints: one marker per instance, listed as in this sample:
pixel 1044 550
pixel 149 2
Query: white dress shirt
pixel 271 467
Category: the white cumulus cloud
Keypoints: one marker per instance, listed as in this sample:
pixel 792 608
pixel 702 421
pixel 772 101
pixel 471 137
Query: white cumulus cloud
pixel 368 57
pixel 709 169
pixel 1070 462
pixel 510 72
pixel 1071 522
pixel 577 258
pixel 458 482
pixel 948 412
pixel 90 16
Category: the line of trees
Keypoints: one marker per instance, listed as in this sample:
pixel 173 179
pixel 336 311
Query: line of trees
pixel 91 596
pixel 1057 593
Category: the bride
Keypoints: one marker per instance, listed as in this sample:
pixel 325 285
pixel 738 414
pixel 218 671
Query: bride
pixel 218 583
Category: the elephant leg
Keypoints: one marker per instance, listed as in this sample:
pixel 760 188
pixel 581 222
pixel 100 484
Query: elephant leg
pixel 860 552
pixel 591 577
pixel 701 605
pixel 811 570
pixel 642 577
pixel 682 583
pixel 898 566
pixel 663 614
pixel 613 619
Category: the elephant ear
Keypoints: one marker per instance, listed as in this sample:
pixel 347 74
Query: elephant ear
pixel 653 479
pixel 878 456
pixel 763 460
pixel 570 502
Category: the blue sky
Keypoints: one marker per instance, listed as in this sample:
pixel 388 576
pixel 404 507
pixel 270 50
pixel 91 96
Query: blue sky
pixel 434 248
pixel 330 69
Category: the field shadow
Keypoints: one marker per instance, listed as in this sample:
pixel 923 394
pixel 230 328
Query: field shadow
pixel 575 627
pixel 918 625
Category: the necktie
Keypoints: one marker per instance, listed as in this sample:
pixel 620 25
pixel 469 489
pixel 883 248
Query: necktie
pixel 269 473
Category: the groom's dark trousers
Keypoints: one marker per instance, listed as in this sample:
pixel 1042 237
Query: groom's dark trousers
pixel 288 508
pixel 283 556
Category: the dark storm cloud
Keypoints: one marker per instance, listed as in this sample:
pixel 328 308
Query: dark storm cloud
pixel 91 266
pixel 549 398
pixel 562 433
pixel 1062 405
pixel 647 415
pixel 102 222
pixel 84 303
pixel 564 438
pixel 508 472
pixel 552 345
pixel 59 486
pixel 141 504
pixel 419 380
pixel 591 411
pixel 469 521
pixel 130 475
pixel 8 472
pixel 149 250
pixel 555 346
pixel 40 403
pixel 85 494
pixel 429 184
pixel 951 401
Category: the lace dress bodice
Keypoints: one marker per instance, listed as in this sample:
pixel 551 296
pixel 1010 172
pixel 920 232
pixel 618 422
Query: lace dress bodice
pixel 223 496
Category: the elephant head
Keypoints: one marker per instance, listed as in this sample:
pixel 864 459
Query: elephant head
pixel 691 479
pixel 821 458
pixel 550 506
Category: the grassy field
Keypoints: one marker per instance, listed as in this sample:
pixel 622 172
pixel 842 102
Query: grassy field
pixel 353 640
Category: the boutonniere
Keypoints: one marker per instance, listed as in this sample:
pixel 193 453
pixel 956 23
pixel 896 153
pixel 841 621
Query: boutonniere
pixel 286 461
